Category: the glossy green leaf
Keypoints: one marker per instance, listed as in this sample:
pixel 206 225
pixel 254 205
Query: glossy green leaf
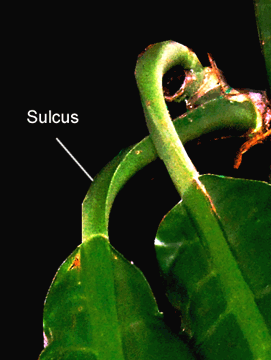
pixel 100 306
pixel 194 283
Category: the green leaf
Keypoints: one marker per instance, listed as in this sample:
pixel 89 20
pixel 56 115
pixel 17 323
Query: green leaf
pixel 100 306
pixel 216 312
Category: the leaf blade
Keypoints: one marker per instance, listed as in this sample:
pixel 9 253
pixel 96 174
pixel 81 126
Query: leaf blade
pixel 82 320
pixel 193 280
pixel 89 312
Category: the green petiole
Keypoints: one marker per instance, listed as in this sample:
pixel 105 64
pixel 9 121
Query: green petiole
pixel 151 67
pixel 217 114
pixel 149 75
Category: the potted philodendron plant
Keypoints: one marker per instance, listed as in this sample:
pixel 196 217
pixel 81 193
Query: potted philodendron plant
pixel 213 247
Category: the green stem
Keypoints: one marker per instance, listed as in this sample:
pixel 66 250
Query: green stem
pixel 216 115
pixel 151 67
pixel 263 19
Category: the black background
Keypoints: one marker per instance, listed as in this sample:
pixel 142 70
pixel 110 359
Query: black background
pixel 82 61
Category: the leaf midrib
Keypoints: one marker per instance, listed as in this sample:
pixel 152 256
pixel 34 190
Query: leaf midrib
pixel 239 297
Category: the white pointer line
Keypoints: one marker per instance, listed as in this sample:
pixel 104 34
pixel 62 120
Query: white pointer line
pixel 81 167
